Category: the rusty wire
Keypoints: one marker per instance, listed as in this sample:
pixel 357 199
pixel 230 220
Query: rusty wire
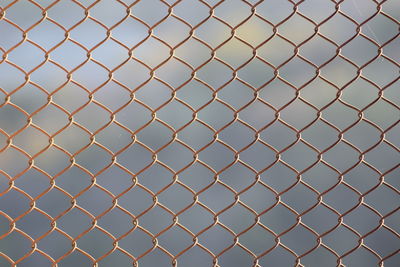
pixel 114 155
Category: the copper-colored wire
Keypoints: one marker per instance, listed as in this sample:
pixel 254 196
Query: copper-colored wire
pixel 196 160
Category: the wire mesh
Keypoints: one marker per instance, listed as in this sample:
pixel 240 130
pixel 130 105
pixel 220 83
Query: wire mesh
pixel 199 133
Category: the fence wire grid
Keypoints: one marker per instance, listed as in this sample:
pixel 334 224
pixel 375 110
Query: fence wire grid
pixel 199 133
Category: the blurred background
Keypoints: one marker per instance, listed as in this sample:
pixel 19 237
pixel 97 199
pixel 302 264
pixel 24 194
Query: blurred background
pixel 92 90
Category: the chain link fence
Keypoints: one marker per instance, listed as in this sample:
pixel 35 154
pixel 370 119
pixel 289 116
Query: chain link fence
pixel 199 133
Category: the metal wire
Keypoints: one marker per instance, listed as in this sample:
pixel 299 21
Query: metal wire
pixel 256 133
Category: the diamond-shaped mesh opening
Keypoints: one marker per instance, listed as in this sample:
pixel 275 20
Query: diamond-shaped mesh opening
pixel 199 133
